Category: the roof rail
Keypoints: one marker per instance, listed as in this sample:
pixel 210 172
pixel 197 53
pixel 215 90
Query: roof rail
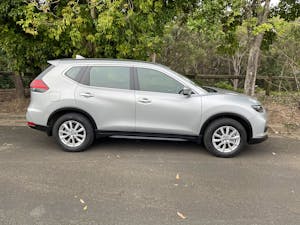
pixel 79 57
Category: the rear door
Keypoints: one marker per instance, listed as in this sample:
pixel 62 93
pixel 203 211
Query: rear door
pixel 106 93
pixel 160 108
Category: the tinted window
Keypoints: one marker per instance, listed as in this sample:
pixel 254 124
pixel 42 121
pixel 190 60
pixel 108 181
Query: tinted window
pixel 110 77
pixel 74 73
pixel 153 80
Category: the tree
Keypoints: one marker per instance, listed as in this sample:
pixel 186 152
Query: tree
pixel 282 58
pixel 189 52
pixel 118 28
pixel 33 31
pixel 257 34
pixel 222 19
pixel 23 52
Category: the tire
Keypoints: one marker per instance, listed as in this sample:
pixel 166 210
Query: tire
pixel 78 138
pixel 225 132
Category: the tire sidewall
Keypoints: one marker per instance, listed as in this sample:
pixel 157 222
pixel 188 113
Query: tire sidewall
pixel 85 123
pixel 217 124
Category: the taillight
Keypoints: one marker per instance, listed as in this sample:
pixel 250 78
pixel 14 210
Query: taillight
pixel 38 86
pixel 31 124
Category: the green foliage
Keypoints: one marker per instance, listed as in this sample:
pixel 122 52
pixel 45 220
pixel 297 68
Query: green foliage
pixel 224 85
pixel 22 51
pixel 6 82
pixel 283 55
pixel 188 52
pixel 288 9
pixel 262 28
pixel 228 86
pixel 219 20
pixel 117 29
pixel 190 36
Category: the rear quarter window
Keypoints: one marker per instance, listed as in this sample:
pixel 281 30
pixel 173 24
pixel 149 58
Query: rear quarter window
pixel 75 73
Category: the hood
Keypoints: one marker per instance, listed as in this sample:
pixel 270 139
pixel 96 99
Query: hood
pixel 220 90
pixel 215 90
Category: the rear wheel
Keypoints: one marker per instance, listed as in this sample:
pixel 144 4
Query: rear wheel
pixel 225 137
pixel 73 132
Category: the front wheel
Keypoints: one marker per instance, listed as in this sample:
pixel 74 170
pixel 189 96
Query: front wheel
pixel 73 132
pixel 225 137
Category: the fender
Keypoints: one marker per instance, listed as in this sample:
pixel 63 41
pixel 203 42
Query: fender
pixel 57 113
pixel 245 122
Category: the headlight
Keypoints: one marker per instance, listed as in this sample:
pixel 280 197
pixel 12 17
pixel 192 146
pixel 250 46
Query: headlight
pixel 258 108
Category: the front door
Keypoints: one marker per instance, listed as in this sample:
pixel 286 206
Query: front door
pixel 160 108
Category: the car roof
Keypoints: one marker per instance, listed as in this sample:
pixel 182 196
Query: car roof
pixel 55 62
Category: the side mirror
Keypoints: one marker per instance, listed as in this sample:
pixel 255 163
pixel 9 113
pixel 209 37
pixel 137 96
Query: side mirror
pixel 187 91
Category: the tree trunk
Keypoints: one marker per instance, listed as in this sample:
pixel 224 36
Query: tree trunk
pixel 153 57
pixel 20 93
pixel 249 85
pixel 269 85
pixel 92 9
pixel 236 62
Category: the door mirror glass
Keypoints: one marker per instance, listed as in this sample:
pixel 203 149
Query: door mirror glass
pixel 187 91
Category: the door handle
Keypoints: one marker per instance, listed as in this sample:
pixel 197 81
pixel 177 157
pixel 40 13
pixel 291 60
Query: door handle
pixel 144 100
pixel 86 95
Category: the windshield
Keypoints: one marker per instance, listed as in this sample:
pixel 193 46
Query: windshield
pixel 188 80
pixel 183 77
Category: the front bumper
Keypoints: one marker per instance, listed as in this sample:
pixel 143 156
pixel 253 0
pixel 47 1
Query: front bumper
pixel 258 140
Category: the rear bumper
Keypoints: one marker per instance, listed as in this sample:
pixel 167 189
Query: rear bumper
pixel 258 140
pixel 40 128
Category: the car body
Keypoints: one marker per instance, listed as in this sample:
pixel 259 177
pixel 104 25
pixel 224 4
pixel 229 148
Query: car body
pixel 135 98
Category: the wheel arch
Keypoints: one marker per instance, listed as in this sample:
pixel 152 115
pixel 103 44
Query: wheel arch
pixel 241 119
pixel 59 112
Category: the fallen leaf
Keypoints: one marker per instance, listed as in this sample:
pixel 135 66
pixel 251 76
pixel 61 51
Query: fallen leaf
pixel 177 176
pixel 85 208
pixel 81 201
pixel 181 215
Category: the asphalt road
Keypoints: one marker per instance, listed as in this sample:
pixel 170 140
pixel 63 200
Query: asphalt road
pixel 122 181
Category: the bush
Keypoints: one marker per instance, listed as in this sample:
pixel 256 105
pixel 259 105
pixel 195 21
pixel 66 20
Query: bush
pixel 224 85
pixel 6 82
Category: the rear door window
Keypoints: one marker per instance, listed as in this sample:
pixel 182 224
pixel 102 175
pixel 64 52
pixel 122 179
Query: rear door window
pixel 110 77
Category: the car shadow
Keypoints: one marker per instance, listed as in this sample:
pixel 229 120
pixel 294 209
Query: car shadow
pixel 157 145
pixel 115 145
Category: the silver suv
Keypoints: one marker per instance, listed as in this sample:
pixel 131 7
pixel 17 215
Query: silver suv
pixel 76 100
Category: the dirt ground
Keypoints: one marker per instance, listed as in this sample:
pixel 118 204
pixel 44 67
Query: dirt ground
pixel 283 113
